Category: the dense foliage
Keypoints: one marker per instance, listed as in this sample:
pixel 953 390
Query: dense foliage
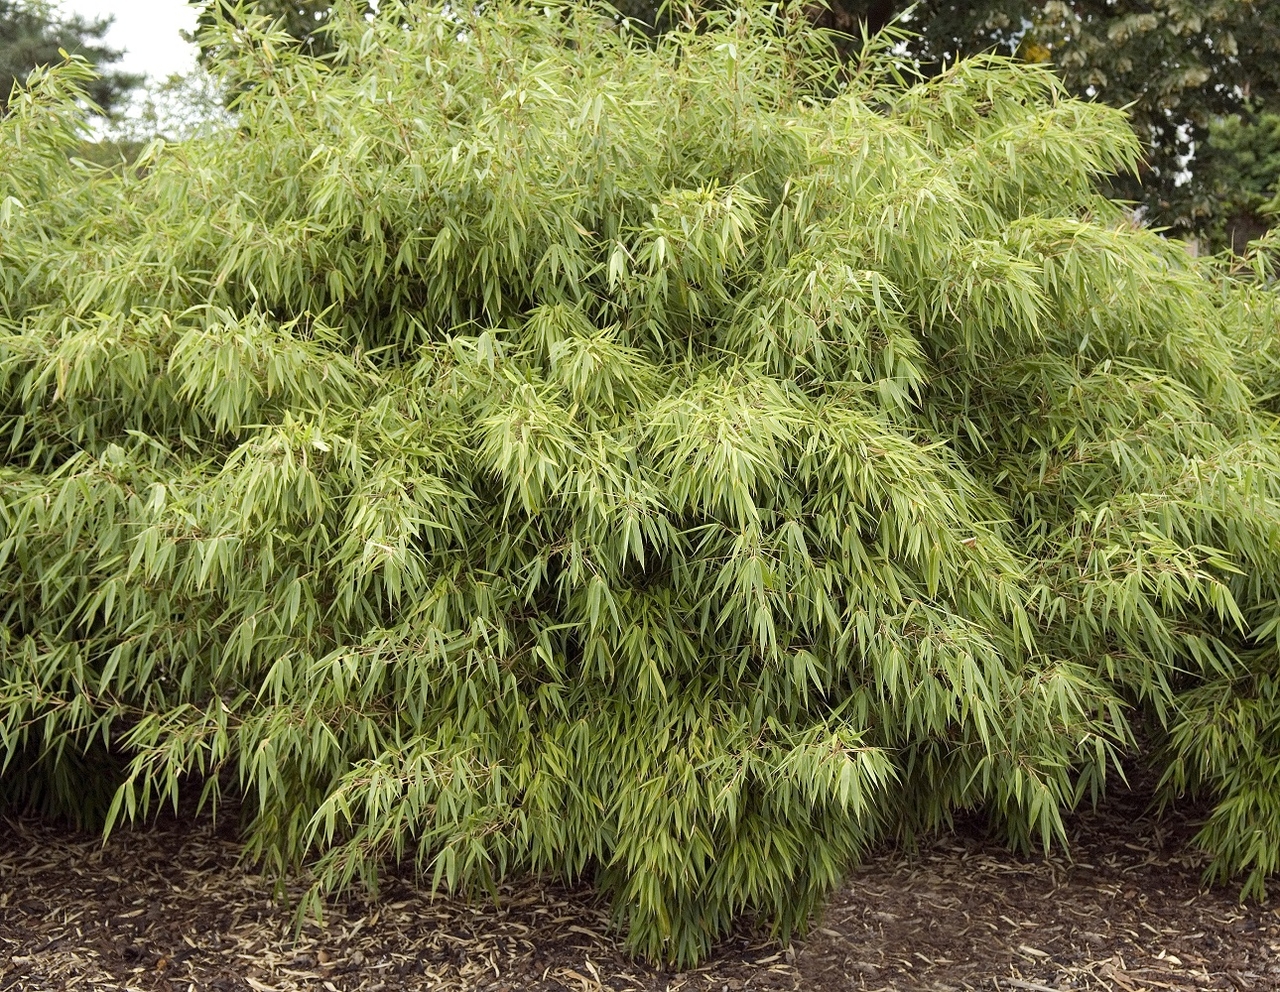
pixel 304 20
pixel 32 32
pixel 1243 155
pixel 515 447
pixel 1178 67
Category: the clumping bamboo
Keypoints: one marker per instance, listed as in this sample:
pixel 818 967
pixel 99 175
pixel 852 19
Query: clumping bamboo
pixel 517 445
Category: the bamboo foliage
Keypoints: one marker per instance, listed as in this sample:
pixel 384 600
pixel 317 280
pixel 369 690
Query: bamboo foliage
pixel 518 446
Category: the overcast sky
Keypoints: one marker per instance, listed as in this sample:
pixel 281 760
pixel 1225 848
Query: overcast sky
pixel 147 30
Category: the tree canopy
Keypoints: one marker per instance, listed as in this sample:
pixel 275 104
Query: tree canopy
pixel 31 34
pixel 514 445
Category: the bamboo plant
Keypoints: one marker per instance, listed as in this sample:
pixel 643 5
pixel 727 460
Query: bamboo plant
pixel 517 445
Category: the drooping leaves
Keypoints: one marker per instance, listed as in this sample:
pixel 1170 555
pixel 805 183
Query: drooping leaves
pixel 515 446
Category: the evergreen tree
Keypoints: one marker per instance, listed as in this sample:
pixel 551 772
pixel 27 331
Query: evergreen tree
pixel 517 446
pixel 31 34
pixel 1243 156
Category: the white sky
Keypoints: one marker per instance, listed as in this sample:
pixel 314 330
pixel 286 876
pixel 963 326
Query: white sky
pixel 147 30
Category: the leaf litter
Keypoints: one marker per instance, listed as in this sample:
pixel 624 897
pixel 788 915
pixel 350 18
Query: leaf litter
pixel 172 908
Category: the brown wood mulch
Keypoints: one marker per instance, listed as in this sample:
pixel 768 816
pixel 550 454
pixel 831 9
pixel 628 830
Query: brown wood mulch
pixel 170 908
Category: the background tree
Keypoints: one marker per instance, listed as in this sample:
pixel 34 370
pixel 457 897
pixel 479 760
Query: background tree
pixel 1243 160
pixel 1177 66
pixel 31 32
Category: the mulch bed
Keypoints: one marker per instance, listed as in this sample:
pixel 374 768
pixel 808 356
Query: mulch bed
pixel 170 908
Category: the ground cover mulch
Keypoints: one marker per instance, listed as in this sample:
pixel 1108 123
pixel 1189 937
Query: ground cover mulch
pixel 171 908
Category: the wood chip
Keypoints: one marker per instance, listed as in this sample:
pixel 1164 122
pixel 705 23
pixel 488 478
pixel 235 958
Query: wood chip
pixel 171 909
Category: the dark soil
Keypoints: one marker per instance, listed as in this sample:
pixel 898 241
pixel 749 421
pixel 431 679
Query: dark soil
pixel 171 908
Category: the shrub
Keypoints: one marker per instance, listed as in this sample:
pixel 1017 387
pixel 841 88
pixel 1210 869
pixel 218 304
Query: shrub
pixel 516 446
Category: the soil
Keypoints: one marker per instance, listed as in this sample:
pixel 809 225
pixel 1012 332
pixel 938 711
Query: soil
pixel 171 908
